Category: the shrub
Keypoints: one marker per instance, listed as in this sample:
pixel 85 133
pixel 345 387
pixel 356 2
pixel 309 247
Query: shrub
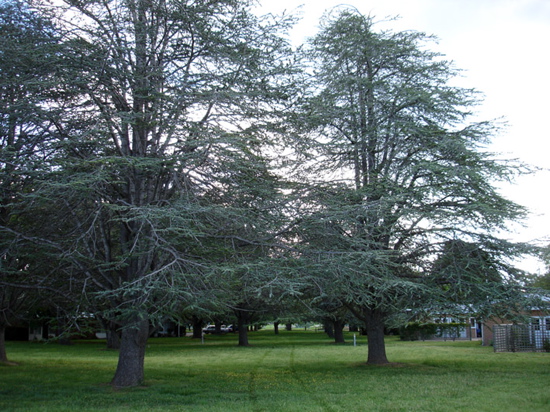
pixel 423 331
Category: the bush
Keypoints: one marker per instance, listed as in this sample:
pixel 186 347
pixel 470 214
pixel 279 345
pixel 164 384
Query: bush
pixel 417 330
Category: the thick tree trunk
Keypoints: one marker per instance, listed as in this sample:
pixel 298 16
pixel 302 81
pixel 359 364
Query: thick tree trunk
pixel 242 321
pixel 3 355
pixel 131 358
pixel 339 331
pixel 243 335
pixel 288 326
pixel 197 328
pixel 375 333
pixel 276 328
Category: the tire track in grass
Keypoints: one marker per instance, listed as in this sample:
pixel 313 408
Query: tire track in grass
pixel 252 381
pixel 319 400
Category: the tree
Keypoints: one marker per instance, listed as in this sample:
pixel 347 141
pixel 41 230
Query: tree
pixel 462 269
pixel 27 67
pixel 399 172
pixel 170 97
pixel 543 281
pixel 472 278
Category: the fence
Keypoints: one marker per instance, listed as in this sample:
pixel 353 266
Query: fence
pixel 522 338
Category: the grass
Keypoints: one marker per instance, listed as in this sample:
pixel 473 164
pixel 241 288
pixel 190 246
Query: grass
pixel 293 371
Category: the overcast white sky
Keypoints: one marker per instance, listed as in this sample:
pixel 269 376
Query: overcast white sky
pixel 503 46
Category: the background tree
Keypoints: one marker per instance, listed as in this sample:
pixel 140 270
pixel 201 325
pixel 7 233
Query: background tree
pixel 542 281
pixel 28 50
pixel 399 171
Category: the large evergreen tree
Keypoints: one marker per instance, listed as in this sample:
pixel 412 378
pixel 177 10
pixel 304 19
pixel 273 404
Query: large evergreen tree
pixel 399 172
pixel 169 108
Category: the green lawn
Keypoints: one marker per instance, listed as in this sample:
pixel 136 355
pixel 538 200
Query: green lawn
pixel 292 371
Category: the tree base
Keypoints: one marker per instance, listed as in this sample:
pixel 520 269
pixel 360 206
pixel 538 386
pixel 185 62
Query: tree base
pixel 9 363
pixel 388 364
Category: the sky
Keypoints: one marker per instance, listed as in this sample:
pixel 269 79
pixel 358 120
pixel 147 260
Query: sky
pixel 503 48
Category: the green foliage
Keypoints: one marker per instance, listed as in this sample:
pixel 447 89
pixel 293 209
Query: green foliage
pixel 389 124
pixel 417 330
pixel 28 56
pixel 157 167
pixel 424 331
pixel 543 281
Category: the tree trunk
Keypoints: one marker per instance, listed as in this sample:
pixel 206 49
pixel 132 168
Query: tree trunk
pixel 131 358
pixel 374 323
pixel 3 355
pixel 276 328
pixel 112 333
pixel 339 331
pixel 243 336
pixel 218 326
pixel 46 330
pixel 197 328
pixel 288 326
pixel 113 336
pixel 242 321
pixel 62 332
pixel 329 329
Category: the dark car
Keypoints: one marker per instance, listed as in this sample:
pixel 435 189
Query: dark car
pixel 209 329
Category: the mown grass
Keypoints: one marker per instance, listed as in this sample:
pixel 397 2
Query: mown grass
pixel 292 371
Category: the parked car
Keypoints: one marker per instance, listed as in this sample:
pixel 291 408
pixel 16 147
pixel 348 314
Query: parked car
pixel 223 329
pixel 209 329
